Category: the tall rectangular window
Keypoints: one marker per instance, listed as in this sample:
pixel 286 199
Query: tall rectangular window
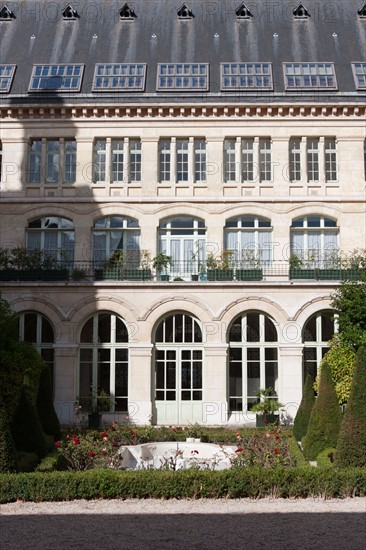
pixel 199 160
pixel 35 161
pixel 247 159
pixel 295 159
pixel 265 160
pixel 164 160
pixel 99 160
pixel 229 161
pixel 117 159
pixel 182 160
pixel 364 157
pixel 53 160
pixel 135 160
pixel 330 159
pixel 70 161
pixel 312 154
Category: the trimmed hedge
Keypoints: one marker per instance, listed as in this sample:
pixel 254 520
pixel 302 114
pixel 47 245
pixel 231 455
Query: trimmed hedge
pixel 325 418
pixel 45 407
pixel 302 417
pixel 234 483
pixel 26 427
pixel 351 446
pixel 8 458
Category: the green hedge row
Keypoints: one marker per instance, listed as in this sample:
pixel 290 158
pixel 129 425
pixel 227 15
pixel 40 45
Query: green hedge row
pixel 234 483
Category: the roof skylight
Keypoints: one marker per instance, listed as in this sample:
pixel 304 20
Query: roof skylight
pixel 246 76
pixel 119 76
pixel 182 76
pixel 56 78
pixel 310 76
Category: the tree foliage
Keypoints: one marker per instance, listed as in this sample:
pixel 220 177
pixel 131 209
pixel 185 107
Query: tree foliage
pixel 349 302
pixel 26 427
pixel 325 418
pixel 341 359
pixel 302 418
pixel 351 446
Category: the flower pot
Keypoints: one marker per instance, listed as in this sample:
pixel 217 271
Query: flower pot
pixel 262 420
pixel 163 277
pixel 94 420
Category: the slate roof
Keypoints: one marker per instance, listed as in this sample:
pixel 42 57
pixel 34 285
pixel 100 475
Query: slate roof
pixel 38 33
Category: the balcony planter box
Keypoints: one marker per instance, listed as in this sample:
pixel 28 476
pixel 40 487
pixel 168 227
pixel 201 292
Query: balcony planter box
pixel 254 274
pixel 8 274
pixel 194 276
pixel 329 274
pixel 136 274
pixel 220 274
pixel 353 274
pixel 94 420
pixel 262 420
pixel 299 273
pixel 61 274
pixel 111 273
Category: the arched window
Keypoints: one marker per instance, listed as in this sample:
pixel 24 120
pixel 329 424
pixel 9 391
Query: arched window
pixel 116 233
pixel 38 331
pixel 184 239
pixel 318 330
pixel 250 239
pixel 104 360
pixel 54 236
pixel 253 359
pixel 314 240
pixel 179 369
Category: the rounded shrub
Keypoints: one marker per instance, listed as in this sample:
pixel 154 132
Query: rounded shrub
pixel 302 418
pixel 325 418
pixel 351 446
pixel 27 429
pixel 45 406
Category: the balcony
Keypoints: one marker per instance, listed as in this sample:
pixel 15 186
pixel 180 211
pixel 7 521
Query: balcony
pixel 177 272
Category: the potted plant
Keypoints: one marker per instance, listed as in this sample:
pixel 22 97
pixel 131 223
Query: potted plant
pixel 141 273
pixel 93 405
pixel 113 265
pixel 160 262
pixel 299 269
pixel 266 407
pixel 249 269
pixel 219 269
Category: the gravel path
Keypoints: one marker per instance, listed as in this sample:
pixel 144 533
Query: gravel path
pixel 308 524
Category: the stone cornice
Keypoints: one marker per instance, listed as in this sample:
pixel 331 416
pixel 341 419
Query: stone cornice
pixel 83 112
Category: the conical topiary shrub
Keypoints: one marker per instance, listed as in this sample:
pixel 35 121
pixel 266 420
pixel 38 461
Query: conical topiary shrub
pixel 8 460
pixel 351 446
pixel 325 418
pixel 26 428
pixel 302 418
pixel 45 407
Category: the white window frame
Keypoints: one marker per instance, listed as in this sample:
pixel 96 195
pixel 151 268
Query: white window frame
pixel 324 253
pixel 63 228
pixel 359 75
pixel 295 159
pixel 182 76
pixel 309 76
pixel 246 76
pixel 7 72
pixel 106 155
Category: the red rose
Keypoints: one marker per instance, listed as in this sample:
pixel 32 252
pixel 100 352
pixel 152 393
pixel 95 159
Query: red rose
pixel 91 453
pixel 103 434
pixel 58 444
pixel 76 441
pixel 276 451
pixel 277 437
pixel 265 422
pixel 239 450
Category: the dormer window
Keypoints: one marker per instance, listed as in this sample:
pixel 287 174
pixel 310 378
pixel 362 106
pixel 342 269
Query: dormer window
pixel 362 12
pixel 127 13
pixel 6 14
pixel 184 12
pixel 242 12
pixel 301 12
pixel 69 14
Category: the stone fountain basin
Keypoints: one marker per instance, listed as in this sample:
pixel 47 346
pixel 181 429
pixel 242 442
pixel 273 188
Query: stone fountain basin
pixel 176 455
